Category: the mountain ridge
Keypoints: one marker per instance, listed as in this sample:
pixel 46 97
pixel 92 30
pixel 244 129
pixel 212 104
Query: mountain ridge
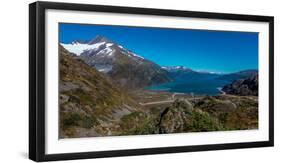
pixel 127 69
pixel 243 74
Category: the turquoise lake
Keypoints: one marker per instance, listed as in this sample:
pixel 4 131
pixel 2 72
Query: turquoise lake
pixel 192 86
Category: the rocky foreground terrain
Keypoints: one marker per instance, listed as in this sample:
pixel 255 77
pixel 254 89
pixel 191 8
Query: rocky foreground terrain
pixel 218 113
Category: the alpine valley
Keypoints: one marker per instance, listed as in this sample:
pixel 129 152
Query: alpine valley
pixel 108 90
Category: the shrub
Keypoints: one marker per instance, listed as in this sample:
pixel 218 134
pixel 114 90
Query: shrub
pixel 70 119
pixel 201 121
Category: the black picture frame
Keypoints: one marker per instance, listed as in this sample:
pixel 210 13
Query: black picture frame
pixel 37 80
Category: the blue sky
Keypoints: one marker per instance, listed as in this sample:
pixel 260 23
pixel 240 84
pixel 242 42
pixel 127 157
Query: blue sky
pixel 216 51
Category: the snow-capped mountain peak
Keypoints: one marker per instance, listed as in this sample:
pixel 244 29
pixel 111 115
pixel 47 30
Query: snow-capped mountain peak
pixel 98 39
pixel 78 48
pixel 130 53
pixel 99 46
pixel 176 68
pixel 124 66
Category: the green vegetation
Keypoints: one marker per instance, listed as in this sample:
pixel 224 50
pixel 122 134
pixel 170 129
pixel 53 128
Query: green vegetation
pixel 148 126
pixel 131 120
pixel 78 120
pixel 201 121
pixel 70 120
pixel 233 113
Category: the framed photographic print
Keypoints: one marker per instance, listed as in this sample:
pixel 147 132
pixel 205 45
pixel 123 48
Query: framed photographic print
pixel 111 81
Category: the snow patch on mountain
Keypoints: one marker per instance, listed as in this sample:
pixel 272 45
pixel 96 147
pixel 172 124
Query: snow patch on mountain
pixel 106 50
pixel 109 44
pixel 78 48
pixel 175 68
pixel 103 48
pixel 104 68
pixel 135 55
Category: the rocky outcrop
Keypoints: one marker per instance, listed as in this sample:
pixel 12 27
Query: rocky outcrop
pixel 182 117
pixel 243 87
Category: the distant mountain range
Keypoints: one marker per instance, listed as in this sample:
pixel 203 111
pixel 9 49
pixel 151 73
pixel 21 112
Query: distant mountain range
pixel 178 69
pixel 239 75
pixel 181 74
pixel 130 70
pixel 184 73
pixel 186 70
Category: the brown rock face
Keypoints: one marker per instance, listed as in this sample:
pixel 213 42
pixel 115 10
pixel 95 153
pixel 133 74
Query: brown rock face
pixel 243 87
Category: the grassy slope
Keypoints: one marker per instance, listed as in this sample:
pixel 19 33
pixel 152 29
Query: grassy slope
pixel 87 97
